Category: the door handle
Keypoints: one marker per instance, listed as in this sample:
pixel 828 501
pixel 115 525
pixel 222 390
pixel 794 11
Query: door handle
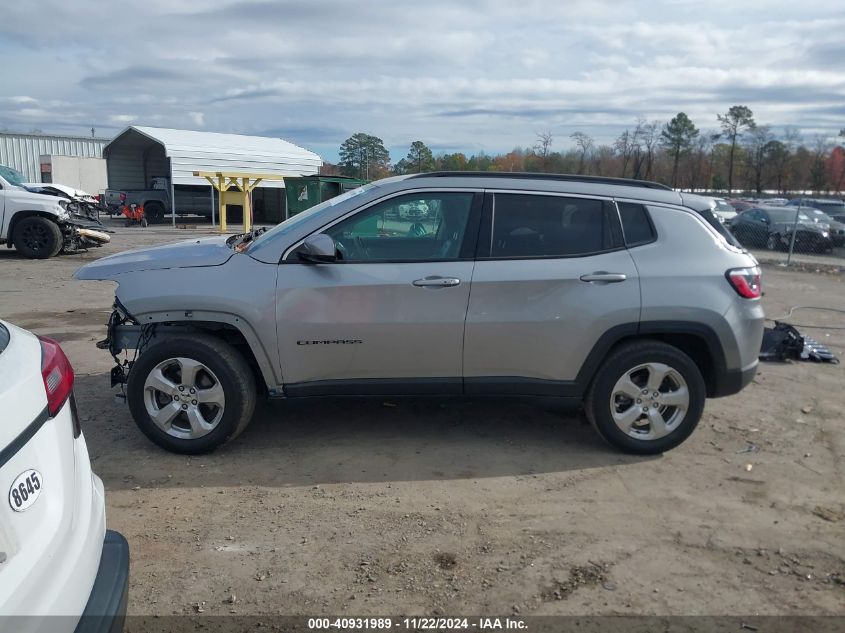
pixel 437 282
pixel 602 276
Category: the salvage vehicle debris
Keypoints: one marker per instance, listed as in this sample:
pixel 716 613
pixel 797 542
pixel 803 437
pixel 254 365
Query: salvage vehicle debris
pixel 784 342
pixel 39 225
pixel 79 202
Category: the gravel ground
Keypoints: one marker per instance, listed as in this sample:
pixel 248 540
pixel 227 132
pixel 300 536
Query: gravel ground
pixel 451 506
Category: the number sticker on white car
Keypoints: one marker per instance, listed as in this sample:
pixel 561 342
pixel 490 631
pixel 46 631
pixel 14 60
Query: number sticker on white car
pixel 25 490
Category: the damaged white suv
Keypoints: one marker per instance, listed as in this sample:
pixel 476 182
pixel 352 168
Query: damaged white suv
pixel 623 296
pixel 41 226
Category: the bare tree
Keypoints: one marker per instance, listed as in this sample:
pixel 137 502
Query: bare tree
pixel 624 148
pixel 584 143
pixel 757 153
pixel 650 139
pixel 543 147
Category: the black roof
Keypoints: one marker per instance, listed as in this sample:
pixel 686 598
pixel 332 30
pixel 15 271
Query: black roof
pixel 625 182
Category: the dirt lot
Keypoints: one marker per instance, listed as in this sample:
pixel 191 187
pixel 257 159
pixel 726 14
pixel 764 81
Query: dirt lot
pixel 467 506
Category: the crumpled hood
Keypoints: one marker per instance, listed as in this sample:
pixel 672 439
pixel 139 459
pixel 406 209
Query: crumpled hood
pixel 26 200
pixel 209 251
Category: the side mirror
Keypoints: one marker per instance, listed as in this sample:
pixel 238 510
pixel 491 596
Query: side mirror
pixel 318 249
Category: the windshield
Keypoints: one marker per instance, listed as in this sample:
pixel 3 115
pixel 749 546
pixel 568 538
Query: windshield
pixel 11 176
pixel 724 207
pixel 787 215
pixel 821 215
pixel 293 222
pixel 832 207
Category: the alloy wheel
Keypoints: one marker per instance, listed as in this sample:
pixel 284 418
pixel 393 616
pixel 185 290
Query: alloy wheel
pixel 649 401
pixel 184 398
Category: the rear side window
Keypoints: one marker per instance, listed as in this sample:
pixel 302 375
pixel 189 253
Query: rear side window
pixel 552 226
pixel 635 223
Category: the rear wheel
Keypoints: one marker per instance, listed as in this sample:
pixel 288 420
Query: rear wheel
pixel 154 212
pixel 646 398
pixel 37 238
pixel 191 394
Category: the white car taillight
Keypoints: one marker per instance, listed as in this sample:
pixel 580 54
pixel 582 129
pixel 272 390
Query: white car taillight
pixel 57 374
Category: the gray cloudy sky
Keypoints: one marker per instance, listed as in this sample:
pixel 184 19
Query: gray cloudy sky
pixel 466 76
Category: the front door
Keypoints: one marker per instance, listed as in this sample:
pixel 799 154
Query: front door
pixel 388 316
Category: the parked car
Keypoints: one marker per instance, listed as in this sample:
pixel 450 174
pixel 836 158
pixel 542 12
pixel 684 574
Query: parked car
pixel 740 204
pixel 724 211
pixel 830 206
pixel 835 227
pixel 56 556
pixel 639 309
pixel 772 228
pixel 41 226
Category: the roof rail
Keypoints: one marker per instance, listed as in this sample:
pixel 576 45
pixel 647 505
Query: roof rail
pixel 625 182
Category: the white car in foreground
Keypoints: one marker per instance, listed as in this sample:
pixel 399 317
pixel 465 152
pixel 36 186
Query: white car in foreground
pixel 56 556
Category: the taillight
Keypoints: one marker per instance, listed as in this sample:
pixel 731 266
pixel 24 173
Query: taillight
pixel 57 374
pixel 746 282
pixel 122 196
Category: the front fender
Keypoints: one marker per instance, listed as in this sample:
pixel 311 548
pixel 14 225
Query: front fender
pixel 239 294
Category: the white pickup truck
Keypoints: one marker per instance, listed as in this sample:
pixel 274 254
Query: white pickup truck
pixel 41 226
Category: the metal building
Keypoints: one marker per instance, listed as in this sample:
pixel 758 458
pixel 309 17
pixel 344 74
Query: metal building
pixel 23 152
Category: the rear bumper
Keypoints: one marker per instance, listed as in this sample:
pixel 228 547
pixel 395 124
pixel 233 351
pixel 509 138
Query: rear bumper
pixel 106 608
pixel 734 380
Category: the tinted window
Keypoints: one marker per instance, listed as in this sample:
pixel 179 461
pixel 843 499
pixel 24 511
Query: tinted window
pixel 413 227
pixel 787 215
pixel 635 223
pixel 552 226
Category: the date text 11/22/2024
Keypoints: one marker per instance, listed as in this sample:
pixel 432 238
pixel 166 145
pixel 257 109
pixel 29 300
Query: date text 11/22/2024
pixel 418 624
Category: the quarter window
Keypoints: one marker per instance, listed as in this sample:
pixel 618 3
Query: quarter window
pixel 552 226
pixel 414 227
pixel 635 223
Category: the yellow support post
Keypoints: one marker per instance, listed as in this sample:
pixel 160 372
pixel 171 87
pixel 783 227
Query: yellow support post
pixel 244 183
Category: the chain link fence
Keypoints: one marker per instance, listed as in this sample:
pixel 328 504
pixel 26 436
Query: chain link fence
pixel 790 235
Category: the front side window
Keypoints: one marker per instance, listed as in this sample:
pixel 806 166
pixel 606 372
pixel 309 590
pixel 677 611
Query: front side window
pixel 412 227
pixel 552 226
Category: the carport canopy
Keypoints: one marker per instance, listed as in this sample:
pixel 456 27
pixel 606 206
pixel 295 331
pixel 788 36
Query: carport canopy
pixel 139 153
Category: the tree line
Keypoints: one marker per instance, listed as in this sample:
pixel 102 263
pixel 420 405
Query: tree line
pixel 736 154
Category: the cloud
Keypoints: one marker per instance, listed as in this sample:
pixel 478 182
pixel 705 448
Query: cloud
pixel 460 76
pixel 123 119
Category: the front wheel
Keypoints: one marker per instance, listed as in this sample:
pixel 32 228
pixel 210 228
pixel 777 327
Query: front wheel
pixel 38 238
pixel 191 394
pixel 646 398
pixel 773 243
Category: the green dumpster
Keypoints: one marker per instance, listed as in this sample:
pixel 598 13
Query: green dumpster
pixel 306 191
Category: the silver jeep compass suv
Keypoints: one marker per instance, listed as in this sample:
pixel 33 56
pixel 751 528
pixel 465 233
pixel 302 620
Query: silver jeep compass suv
pixel 622 295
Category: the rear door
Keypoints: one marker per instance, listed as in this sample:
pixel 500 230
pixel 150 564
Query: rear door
pixel 388 316
pixel 552 277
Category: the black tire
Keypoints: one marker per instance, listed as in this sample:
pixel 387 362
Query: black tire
pixel 230 368
pixel 773 242
pixel 625 358
pixel 38 238
pixel 154 212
